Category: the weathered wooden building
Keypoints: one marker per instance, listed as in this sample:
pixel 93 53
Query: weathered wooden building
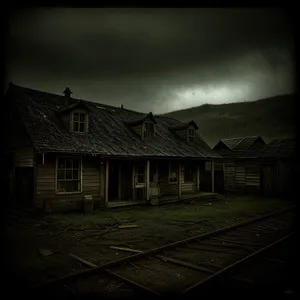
pixel 252 166
pixel 60 149
pixel 277 165
pixel 241 175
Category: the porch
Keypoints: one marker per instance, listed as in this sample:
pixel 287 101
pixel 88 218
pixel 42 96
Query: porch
pixel 156 182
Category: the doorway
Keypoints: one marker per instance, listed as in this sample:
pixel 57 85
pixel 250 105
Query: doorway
pixel 113 181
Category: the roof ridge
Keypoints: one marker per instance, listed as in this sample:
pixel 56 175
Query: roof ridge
pixel 76 99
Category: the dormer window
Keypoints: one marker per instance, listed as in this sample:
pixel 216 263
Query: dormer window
pixel 78 122
pixel 191 135
pixel 148 130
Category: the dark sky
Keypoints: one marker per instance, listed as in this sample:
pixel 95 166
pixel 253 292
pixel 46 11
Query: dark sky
pixel 150 59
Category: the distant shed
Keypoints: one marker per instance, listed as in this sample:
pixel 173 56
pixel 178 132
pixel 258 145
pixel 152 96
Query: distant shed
pixel 278 168
pixel 240 175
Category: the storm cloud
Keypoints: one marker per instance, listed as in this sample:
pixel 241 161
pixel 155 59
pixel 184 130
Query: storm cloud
pixel 153 59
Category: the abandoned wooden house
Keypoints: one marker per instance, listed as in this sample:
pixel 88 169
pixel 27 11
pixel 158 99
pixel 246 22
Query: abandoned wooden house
pixel 60 150
pixel 241 175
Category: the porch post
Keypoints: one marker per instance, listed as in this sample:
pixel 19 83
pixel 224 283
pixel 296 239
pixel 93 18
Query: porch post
pixel 148 180
pixel 179 180
pixel 106 181
pixel 212 176
pixel 198 178
pixel 133 181
pixel 119 182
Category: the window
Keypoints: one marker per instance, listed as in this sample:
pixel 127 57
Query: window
pixel 148 130
pixel 191 135
pixel 189 173
pixel 78 122
pixel 152 172
pixel 68 175
pixel 173 169
pixel 141 174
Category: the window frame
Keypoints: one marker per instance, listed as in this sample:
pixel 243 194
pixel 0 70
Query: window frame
pixel 191 137
pixel 84 122
pixel 140 174
pixel 80 181
pixel 147 129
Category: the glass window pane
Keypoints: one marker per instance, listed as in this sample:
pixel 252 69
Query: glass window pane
pixel 75 127
pixel 75 174
pixel 76 186
pixel 61 174
pixel 72 186
pixel 61 186
pixel 75 163
pixel 69 174
pixel 69 163
pixel 61 163
pixel 69 186
pixel 81 117
pixel 81 127
pixel 75 116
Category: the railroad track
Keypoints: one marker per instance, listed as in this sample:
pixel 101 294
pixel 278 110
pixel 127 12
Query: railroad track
pixel 184 267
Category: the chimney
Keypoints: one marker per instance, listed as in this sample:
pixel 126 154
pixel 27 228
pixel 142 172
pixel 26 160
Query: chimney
pixel 67 92
pixel 121 106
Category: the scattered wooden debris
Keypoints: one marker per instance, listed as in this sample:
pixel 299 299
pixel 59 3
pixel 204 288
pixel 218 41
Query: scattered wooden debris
pixel 68 288
pixel 45 252
pixel 126 249
pixel 127 226
pixel 83 261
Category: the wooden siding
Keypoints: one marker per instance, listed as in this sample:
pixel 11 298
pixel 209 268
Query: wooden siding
pixel 240 178
pixel 252 176
pixel 48 199
pixel 277 179
pixel 24 157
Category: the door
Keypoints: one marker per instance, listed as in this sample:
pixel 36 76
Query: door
pixel 113 182
pixel 24 185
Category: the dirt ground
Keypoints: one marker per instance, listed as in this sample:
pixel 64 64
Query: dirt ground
pixel 91 236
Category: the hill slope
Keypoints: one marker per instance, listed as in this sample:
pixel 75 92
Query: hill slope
pixel 270 118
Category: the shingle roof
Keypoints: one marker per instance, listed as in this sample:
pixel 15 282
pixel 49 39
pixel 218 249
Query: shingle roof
pixel 109 135
pixel 276 149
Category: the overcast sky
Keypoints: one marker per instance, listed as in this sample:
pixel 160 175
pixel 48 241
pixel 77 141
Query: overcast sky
pixel 155 60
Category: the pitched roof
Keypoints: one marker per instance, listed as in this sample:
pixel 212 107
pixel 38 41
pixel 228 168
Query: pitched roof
pixel 285 148
pixel 240 144
pixel 109 135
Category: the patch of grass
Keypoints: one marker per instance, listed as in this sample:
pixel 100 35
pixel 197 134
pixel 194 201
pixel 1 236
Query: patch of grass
pixel 225 208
